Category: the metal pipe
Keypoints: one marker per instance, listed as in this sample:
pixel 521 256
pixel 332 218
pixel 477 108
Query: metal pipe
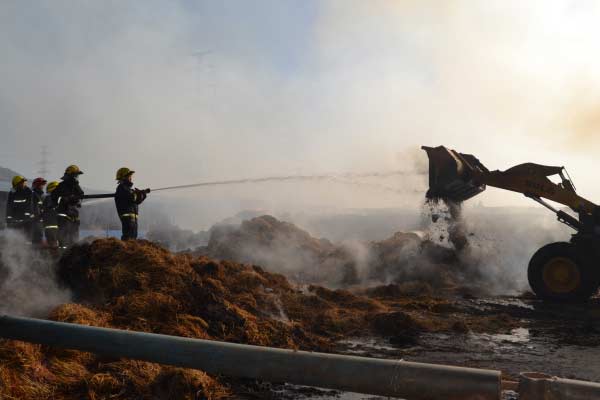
pixel 394 378
pixel 537 386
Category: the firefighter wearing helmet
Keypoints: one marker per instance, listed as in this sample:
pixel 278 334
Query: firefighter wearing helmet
pixel 49 216
pixel 127 200
pixel 37 232
pixel 67 196
pixel 19 211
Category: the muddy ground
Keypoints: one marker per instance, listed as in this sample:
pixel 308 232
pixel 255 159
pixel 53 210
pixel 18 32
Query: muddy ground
pixel 558 339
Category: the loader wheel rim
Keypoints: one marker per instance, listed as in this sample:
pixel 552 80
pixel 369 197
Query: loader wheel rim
pixel 561 275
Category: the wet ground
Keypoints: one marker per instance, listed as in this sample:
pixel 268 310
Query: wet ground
pixel 562 340
pixel 558 339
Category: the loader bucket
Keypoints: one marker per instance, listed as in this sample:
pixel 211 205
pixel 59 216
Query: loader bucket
pixel 451 174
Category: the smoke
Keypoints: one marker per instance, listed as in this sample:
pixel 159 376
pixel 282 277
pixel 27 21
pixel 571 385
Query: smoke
pixel 175 238
pixel 481 251
pixel 215 91
pixel 477 77
pixel 28 284
pixel 186 92
pixel 580 117
pixel 501 243
pixel 493 245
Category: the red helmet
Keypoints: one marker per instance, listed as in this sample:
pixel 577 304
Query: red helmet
pixel 39 182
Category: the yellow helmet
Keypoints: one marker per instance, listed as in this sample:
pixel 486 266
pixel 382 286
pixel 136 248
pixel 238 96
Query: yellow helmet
pixel 73 170
pixel 123 173
pixel 51 186
pixel 18 179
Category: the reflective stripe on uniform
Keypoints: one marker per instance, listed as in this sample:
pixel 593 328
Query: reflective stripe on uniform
pixel 65 216
pixel 51 227
pixel 19 201
pixel 129 215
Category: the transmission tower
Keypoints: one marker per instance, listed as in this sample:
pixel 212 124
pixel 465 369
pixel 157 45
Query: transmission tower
pixel 44 162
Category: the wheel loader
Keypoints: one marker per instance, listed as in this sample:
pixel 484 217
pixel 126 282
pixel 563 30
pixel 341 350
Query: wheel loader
pixel 562 271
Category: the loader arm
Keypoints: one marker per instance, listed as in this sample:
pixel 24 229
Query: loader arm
pixel 457 177
pixel 532 180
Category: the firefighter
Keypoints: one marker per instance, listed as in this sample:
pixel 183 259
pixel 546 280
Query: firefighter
pixel 49 217
pixel 67 196
pixel 127 200
pixel 19 211
pixel 37 230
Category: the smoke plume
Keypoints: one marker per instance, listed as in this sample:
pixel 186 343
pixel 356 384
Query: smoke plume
pixel 28 284
pixel 483 251
pixel 186 92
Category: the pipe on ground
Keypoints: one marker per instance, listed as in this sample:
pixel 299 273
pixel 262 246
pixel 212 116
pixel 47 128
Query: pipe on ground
pixel 537 386
pixel 408 380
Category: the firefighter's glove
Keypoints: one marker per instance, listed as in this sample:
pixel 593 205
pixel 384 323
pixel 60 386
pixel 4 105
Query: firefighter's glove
pixel 140 195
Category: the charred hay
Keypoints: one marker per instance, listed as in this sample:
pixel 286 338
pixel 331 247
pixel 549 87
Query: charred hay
pixel 139 285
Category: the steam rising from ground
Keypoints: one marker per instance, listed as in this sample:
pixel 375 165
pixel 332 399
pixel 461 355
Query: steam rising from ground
pixel 500 244
pixel 502 241
pixel 492 258
pixel 494 245
pixel 28 284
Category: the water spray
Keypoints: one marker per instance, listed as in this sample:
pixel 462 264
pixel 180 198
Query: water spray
pixel 346 178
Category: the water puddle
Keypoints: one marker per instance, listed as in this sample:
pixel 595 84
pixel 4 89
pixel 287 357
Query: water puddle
pixel 367 346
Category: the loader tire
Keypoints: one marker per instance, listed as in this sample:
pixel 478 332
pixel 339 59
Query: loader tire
pixel 558 272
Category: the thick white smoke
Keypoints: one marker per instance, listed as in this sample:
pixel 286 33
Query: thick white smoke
pixel 186 92
pixel 28 283
pixel 502 241
pixel 486 251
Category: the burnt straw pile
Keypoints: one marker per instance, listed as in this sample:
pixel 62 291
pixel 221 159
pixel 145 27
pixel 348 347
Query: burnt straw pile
pixel 141 286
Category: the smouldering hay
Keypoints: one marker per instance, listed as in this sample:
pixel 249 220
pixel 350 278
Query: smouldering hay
pixel 22 373
pixel 141 286
pixel 30 373
pixel 103 386
pixel 138 285
pixel 145 287
pixel 79 314
pixel 177 383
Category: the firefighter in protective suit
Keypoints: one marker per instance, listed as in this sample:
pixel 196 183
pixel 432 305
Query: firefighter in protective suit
pixel 67 196
pixel 19 208
pixel 49 217
pixel 127 200
pixel 37 229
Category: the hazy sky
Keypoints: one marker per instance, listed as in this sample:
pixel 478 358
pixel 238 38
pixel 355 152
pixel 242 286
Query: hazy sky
pixel 201 90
